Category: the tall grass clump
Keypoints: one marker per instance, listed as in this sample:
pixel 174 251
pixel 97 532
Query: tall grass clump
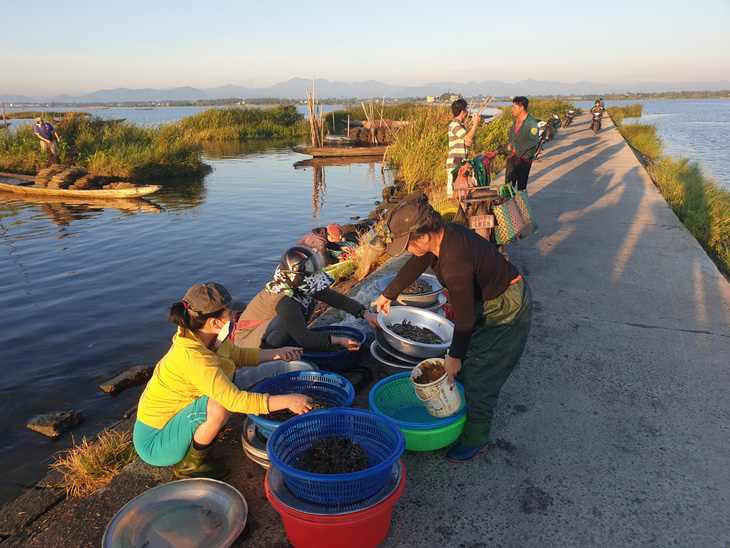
pixel 618 114
pixel 91 465
pixel 701 205
pixel 418 151
pixel 20 151
pixel 234 124
pixel 643 138
pixel 108 148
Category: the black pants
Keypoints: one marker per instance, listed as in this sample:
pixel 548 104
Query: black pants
pixel 517 170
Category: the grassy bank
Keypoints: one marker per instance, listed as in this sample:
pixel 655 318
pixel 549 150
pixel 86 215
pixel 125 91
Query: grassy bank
pixel 236 124
pixel 48 116
pixel 125 150
pixel 699 202
pixel 419 150
pixel 115 149
pixel 618 114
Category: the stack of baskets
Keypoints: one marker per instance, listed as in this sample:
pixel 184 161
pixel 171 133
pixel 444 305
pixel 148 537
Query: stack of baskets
pixel 395 398
pixel 352 509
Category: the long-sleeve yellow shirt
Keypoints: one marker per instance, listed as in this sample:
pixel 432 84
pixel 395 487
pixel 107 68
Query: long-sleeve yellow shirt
pixel 189 370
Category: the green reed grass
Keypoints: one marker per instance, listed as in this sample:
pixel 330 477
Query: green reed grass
pixel 233 124
pixel 701 204
pixel 32 114
pixel 643 138
pixel 618 114
pixel 109 148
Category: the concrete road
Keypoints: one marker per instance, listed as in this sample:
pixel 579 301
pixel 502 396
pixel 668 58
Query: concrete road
pixel 613 430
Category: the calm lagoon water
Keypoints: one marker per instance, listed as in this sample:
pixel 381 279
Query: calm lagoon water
pixel 690 128
pixel 85 289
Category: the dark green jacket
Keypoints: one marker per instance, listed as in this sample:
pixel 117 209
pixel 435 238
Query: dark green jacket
pixel 525 142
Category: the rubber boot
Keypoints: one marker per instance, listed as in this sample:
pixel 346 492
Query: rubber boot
pixel 194 466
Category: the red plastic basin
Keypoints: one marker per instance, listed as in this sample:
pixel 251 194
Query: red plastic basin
pixel 362 529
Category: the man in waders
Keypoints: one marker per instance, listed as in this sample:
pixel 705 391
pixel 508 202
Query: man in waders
pixel 523 141
pixel 492 308
pixel 48 138
pixel 460 140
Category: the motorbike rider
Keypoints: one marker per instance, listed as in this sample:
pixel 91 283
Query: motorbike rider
pixel 598 109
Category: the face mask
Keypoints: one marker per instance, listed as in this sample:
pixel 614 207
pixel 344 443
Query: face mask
pixel 224 333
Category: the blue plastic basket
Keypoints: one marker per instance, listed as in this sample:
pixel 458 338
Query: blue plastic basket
pixel 332 386
pixel 336 361
pixel 395 398
pixel 379 436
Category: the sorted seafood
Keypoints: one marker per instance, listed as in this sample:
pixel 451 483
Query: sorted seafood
pixel 333 455
pixel 417 287
pixel 320 402
pixel 414 333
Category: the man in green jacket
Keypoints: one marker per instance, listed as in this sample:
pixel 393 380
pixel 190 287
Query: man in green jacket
pixel 523 140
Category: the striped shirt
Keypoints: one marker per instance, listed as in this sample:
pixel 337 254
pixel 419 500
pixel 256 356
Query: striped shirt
pixel 458 150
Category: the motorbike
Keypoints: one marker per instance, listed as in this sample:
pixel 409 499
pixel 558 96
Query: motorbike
pixel 568 117
pixel 596 122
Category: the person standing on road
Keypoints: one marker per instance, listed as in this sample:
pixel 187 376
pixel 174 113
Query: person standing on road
pixel 48 137
pixel 460 139
pixel 492 307
pixel 523 141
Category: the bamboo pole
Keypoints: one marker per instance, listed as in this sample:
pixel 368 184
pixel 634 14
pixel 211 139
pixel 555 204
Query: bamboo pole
pixel 310 109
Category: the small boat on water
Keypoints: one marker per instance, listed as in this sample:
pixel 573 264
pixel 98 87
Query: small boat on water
pixel 23 185
pixel 342 151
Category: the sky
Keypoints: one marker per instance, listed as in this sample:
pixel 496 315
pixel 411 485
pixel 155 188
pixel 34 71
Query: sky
pixel 76 47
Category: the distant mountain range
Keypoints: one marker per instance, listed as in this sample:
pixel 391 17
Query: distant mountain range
pixel 296 89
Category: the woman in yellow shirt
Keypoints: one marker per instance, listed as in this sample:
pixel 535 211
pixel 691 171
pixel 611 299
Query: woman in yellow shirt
pixel 191 393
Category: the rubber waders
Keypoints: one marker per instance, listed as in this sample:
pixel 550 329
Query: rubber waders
pixel 194 466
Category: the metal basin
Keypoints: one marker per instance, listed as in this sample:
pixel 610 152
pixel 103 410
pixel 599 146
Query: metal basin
pixel 391 365
pixel 250 376
pixel 189 512
pixel 420 318
pixel 421 300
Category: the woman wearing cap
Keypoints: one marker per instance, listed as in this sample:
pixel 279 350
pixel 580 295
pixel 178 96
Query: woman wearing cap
pixel 282 309
pixel 492 307
pixel 191 395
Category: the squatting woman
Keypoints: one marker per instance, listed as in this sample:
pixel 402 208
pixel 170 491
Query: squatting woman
pixel 191 394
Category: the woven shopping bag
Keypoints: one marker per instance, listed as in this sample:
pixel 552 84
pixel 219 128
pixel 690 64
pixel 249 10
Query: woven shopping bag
pixel 513 217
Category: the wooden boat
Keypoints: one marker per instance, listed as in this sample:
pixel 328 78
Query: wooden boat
pixel 23 185
pixel 342 151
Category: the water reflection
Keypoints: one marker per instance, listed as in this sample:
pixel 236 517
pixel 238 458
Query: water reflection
pixel 239 149
pixel 319 185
